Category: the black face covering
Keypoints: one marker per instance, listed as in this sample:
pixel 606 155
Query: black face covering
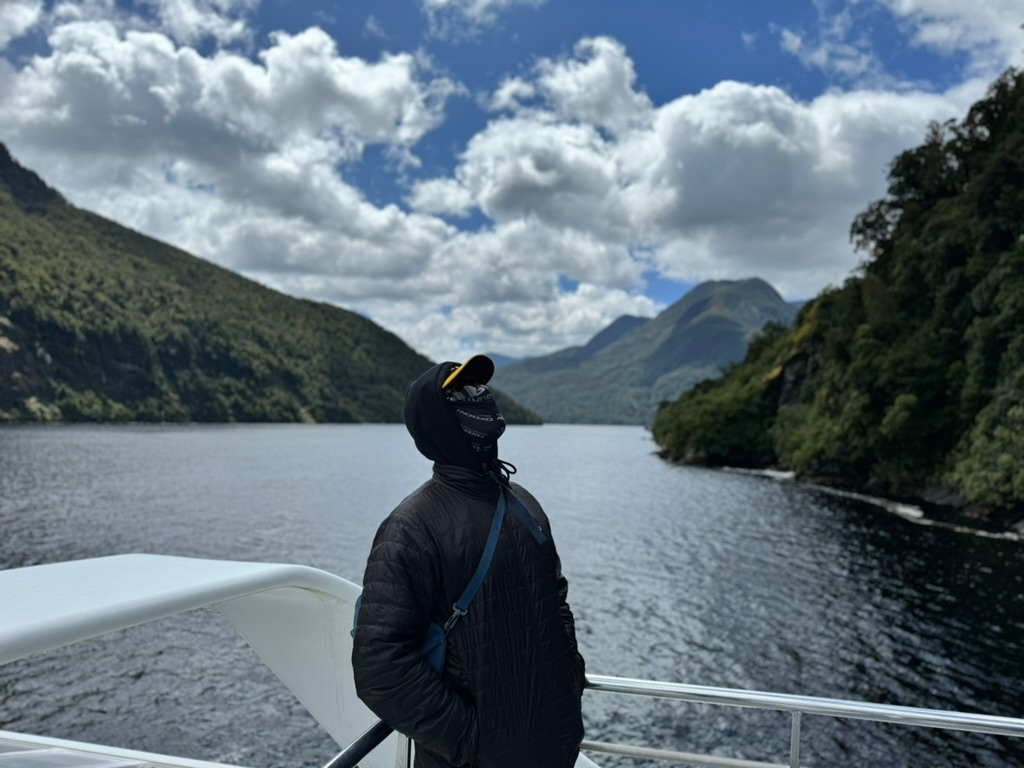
pixel 480 419
pixel 434 424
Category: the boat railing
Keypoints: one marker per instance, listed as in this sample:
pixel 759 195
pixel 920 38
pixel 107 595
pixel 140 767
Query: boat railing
pixel 796 706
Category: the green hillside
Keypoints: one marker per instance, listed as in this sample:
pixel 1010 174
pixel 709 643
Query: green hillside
pixel 627 369
pixel 100 323
pixel 909 379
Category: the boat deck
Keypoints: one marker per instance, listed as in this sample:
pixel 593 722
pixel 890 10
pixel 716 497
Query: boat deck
pixel 19 750
pixel 297 619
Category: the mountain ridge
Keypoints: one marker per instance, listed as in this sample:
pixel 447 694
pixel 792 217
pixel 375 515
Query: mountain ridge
pixel 102 323
pixel 624 372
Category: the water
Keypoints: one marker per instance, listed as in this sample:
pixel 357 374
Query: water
pixel 676 573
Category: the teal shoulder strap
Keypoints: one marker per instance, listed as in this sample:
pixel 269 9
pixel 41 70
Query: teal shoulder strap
pixel 461 606
pixel 505 499
pixel 519 510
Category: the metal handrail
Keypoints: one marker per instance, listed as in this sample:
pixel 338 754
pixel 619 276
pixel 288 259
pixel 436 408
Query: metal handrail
pixel 809 705
pixel 731 697
pixel 368 741
pixel 796 706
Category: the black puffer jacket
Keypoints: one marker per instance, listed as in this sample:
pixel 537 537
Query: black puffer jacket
pixel 509 693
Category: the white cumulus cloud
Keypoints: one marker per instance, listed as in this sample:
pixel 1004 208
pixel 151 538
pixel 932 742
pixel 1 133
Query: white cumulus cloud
pixel 190 21
pixel 17 17
pixel 733 181
pixel 230 158
pixel 748 180
pixel 597 86
pixel 989 32
pixel 173 118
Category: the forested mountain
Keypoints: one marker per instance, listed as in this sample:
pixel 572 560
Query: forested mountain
pixel 100 323
pixel 909 379
pixel 621 374
pixel 501 360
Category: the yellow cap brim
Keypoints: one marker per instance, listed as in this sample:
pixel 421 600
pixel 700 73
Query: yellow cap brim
pixel 477 370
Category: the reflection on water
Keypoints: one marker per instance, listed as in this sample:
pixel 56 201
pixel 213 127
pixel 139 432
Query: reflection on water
pixel 676 573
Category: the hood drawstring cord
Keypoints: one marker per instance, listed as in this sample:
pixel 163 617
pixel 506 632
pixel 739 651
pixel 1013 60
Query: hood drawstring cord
pixel 502 471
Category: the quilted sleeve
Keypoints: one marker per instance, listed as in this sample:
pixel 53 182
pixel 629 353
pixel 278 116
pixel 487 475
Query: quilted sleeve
pixel 391 678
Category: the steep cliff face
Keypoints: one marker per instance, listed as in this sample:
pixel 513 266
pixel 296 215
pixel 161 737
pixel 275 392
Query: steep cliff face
pixel 909 379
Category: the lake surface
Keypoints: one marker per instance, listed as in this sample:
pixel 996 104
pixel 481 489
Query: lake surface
pixel 676 573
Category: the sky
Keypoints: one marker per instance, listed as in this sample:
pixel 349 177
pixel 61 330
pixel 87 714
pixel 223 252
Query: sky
pixel 502 176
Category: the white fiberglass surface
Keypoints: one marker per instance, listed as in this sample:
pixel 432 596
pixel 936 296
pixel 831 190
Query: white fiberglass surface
pixel 297 619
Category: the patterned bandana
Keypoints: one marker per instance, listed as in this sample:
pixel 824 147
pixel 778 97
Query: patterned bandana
pixel 479 417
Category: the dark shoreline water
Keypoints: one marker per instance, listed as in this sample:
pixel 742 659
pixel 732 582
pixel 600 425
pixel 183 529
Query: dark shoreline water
pixel 676 573
pixel 1004 525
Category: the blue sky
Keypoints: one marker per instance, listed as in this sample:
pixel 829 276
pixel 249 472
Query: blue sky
pixel 492 175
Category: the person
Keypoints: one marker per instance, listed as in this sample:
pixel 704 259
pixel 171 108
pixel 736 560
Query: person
pixel 509 692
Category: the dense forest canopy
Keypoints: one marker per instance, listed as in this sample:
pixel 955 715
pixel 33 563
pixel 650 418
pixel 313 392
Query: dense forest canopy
pixel 909 379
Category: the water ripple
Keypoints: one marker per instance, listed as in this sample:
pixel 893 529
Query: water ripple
pixel 676 573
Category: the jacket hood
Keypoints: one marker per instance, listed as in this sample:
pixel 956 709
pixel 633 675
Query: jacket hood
pixel 433 424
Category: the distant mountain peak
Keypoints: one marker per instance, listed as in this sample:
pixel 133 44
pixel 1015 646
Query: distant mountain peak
pixel 619 328
pixel 500 360
pixel 625 370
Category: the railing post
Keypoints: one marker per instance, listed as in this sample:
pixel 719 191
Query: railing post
pixel 794 741
pixel 403 755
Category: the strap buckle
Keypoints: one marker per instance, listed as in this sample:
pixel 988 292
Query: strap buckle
pixel 457 613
